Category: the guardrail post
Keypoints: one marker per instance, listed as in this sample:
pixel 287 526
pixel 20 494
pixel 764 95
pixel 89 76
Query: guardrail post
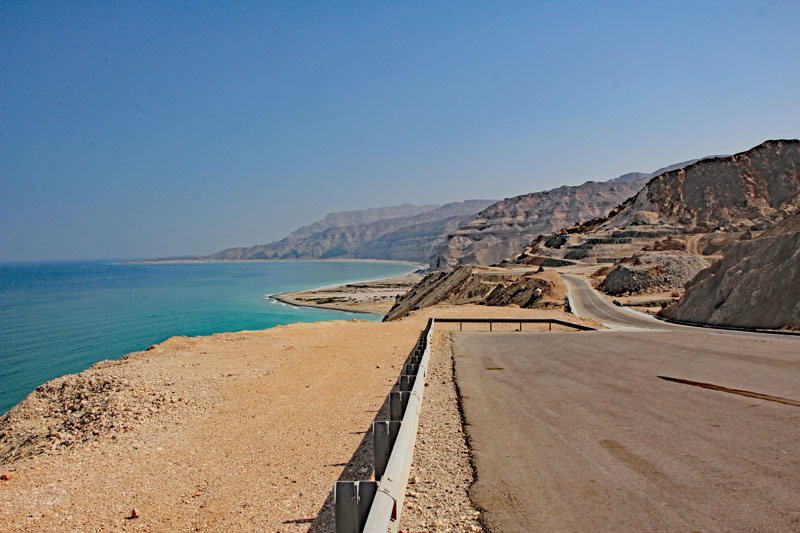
pixel 406 382
pixel 345 504
pixel 384 434
pixel 351 502
pixel 397 404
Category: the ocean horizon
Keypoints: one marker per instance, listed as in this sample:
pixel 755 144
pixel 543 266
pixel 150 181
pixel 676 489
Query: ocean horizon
pixel 62 317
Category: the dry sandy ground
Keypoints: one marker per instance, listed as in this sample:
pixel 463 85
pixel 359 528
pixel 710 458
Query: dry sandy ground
pixel 365 297
pixel 233 432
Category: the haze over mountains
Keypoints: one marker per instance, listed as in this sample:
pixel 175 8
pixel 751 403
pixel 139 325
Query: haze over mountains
pixel 656 231
pixel 472 231
pixel 401 233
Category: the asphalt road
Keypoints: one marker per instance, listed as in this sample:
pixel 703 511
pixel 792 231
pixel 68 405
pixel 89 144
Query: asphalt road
pixel 588 303
pixel 577 432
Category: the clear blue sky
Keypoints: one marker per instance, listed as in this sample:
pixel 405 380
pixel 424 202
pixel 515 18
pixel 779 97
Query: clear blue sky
pixel 138 129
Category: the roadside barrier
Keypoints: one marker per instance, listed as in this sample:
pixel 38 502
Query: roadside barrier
pixel 520 321
pixel 375 506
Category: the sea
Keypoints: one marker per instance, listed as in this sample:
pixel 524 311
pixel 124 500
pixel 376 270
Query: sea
pixel 61 318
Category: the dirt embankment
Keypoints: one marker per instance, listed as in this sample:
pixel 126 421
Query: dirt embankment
pixel 493 286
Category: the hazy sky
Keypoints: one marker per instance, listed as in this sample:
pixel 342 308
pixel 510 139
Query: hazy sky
pixel 137 129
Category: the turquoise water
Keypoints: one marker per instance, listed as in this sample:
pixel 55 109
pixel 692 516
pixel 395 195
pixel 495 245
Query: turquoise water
pixel 61 318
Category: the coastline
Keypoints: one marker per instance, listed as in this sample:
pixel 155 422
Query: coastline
pixel 374 297
pixel 344 260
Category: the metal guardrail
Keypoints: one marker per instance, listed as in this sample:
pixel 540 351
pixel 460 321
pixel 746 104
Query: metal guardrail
pixel 375 506
pixel 520 321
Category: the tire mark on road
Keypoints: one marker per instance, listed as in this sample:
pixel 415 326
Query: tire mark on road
pixel 740 392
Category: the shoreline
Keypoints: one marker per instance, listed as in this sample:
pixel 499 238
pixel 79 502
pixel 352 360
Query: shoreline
pixel 344 260
pixel 278 298
pixel 374 297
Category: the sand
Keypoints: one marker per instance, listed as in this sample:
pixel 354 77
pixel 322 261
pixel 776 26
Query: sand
pixel 375 297
pixel 233 432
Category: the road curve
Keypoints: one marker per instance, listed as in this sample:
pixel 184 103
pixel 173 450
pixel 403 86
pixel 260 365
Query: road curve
pixel 588 303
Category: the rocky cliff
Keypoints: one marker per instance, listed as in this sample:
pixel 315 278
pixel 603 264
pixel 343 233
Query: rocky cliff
pixel 700 208
pixel 408 238
pixel 755 285
pixel 749 190
pixel 504 228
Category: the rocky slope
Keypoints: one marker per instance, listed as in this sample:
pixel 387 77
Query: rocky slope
pixel 755 285
pixel 652 271
pixel 470 284
pixel 749 190
pixel 700 209
pixel 504 228
pixel 408 238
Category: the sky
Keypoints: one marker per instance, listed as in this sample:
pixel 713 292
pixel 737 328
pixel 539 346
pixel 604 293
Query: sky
pixel 151 129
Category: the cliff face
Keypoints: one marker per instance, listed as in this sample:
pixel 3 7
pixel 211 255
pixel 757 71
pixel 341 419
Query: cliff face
pixel 504 228
pixel 752 189
pixel 755 285
pixel 409 238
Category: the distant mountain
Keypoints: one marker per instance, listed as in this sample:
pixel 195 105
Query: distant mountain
pixel 364 216
pixel 504 228
pixel 369 234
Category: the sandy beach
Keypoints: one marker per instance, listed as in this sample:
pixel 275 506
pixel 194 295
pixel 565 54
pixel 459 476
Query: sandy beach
pixel 375 297
pixel 239 431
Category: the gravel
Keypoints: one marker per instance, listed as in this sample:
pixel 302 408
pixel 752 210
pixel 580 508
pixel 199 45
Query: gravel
pixel 437 497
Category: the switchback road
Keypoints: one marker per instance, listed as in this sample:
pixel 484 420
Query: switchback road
pixel 588 303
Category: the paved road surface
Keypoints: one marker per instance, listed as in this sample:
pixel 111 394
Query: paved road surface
pixel 588 303
pixel 576 431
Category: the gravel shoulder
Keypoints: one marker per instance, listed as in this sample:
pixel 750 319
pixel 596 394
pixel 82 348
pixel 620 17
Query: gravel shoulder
pixel 437 497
